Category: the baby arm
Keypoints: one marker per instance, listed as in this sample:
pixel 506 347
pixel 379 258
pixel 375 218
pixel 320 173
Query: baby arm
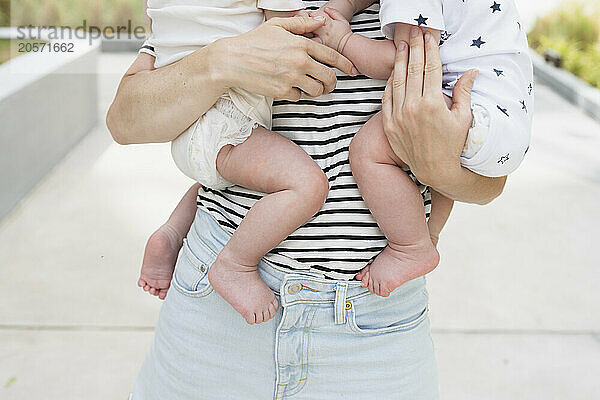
pixel 374 58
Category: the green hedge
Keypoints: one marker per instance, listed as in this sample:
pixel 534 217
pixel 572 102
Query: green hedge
pixel 4 50
pixel 72 13
pixel 572 30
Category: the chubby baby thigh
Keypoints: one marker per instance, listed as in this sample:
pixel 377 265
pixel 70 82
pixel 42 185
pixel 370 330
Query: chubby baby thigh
pixel 370 144
pixel 268 162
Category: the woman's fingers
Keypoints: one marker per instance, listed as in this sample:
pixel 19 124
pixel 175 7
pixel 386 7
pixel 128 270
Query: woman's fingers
pixel 461 94
pixel 293 94
pixel 416 64
pixel 310 86
pixel 387 102
pixel 325 75
pixel 329 57
pixel 432 85
pixel 299 24
pixel 399 81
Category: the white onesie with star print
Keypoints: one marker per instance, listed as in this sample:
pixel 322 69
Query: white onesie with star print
pixel 486 35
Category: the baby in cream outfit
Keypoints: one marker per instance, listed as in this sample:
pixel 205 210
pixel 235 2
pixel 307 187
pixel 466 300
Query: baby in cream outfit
pixel 232 145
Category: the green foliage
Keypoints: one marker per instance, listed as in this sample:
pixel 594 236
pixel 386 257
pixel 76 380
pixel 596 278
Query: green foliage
pixel 99 13
pixel 4 50
pixel 4 12
pixel 572 30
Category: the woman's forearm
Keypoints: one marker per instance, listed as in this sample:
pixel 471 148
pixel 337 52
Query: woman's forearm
pixel 157 105
pixel 272 60
pixel 468 187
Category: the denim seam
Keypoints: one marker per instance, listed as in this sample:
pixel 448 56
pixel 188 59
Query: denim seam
pixel 324 301
pixel 191 257
pixel 194 261
pixel 278 384
pixel 389 329
pixel 353 297
pixel 192 293
pixel 340 303
pixel 303 365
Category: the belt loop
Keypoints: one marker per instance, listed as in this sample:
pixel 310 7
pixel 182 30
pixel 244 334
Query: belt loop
pixel 340 303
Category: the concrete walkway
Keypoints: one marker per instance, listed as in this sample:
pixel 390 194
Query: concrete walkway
pixel 515 304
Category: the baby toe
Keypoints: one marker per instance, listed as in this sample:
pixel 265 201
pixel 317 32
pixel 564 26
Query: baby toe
pixel 366 279
pixel 371 286
pixel 250 318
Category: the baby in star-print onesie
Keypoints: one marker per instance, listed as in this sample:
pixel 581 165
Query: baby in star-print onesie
pixel 473 34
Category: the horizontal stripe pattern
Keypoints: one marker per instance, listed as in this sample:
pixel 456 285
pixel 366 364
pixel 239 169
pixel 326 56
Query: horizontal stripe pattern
pixel 343 237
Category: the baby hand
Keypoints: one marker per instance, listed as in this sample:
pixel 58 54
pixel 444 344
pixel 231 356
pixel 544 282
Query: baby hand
pixel 336 31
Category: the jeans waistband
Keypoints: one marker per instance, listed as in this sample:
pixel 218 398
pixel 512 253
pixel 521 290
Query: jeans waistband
pixel 291 286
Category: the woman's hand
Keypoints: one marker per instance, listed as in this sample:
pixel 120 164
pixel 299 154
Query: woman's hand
pixel 423 131
pixel 157 105
pixel 275 61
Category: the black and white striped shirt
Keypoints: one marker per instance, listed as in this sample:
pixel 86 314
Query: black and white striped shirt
pixel 343 237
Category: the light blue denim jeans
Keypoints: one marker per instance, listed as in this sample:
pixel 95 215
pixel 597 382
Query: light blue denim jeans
pixel 328 340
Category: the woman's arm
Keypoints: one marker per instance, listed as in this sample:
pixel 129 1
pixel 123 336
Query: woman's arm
pixel 421 129
pixel 156 105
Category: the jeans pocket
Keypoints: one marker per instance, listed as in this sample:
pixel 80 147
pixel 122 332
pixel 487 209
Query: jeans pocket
pixel 375 315
pixel 191 271
pixel 385 327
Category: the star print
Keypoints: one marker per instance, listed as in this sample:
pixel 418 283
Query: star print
pixel 526 150
pixel 499 72
pixel 518 23
pixel 504 159
pixel 524 106
pixel 421 20
pixel 444 37
pixel 530 88
pixel 478 42
pixel 504 110
pixel 495 7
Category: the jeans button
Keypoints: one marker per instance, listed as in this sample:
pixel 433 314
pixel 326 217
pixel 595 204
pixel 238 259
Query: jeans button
pixel 294 288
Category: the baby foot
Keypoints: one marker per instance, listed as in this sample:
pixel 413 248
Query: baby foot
pixel 393 267
pixel 242 287
pixel 159 261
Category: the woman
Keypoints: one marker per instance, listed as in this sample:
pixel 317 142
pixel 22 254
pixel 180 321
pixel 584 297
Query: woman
pixel 331 338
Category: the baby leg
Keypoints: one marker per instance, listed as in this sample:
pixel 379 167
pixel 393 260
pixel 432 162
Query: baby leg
pixel 164 244
pixel 396 205
pixel 297 189
pixel 441 206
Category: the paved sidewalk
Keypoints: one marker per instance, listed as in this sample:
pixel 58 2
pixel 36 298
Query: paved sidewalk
pixel 515 304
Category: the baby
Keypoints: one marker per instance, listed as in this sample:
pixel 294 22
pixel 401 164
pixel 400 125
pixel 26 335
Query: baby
pixel 231 144
pixel 477 35
pixel 471 35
